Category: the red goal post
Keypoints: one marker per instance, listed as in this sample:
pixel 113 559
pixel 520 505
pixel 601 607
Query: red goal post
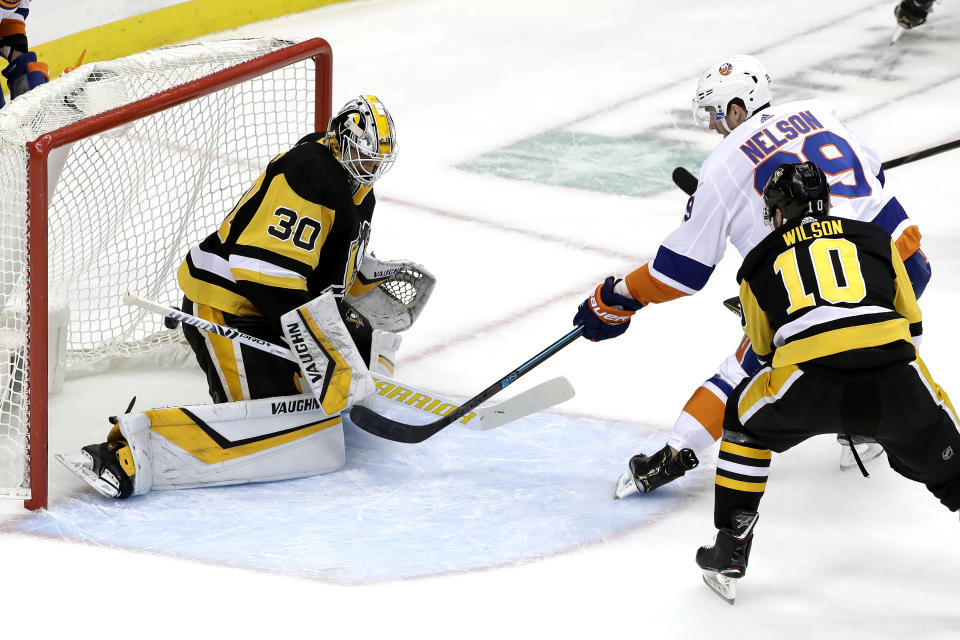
pixel 127 164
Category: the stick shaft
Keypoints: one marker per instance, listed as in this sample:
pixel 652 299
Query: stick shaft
pixel 264 345
pixel 920 155
pixel 383 427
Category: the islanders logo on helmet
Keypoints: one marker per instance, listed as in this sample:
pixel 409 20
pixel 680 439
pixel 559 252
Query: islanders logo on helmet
pixel 725 69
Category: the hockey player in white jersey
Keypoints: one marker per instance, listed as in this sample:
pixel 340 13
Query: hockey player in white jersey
pixel 734 99
pixel 23 72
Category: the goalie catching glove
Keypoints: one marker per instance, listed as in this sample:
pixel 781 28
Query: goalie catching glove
pixel 390 293
pixel 606 313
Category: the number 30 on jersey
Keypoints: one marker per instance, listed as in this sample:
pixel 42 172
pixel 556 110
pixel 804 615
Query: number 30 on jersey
pixel 300 230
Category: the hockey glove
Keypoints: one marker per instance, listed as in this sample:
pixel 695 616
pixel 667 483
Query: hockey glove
pixel 606 313
pixel 25 73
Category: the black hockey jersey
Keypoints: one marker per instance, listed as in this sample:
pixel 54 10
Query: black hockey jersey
pixel 299 231
pixel 827 287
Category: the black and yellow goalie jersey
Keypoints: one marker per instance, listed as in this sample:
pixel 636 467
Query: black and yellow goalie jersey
pixel 828 288
pixel 299 231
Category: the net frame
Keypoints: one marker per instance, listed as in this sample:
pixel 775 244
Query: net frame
pixel 36 386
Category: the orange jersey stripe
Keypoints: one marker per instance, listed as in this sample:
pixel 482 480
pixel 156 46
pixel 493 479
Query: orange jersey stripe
pixel 908 242
pixel 646 289
pixel 707 409
pixel 10 27
pixel 42 67
pixel 742 349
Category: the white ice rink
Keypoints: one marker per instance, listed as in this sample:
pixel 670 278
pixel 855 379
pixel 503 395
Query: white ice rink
pixel 537 139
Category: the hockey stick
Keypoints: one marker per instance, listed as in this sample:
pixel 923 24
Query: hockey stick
pixel 132 299
pixel 687 182
pixel 381 426
pixel 920 155
pixel 543 396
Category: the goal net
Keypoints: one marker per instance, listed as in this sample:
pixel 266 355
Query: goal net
pixel 107 176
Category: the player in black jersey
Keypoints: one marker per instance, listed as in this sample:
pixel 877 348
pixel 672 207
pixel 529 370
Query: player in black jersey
pixel 831 312
pixel 298 232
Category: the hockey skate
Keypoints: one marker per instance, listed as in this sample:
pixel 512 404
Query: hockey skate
pixel 107 467
pixel 910 14
pixel 646 473
pixel 867 448
pixel 725 561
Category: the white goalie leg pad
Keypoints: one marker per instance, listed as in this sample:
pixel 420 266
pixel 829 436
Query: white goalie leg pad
pixel 232 443
pixel 332 367
pixel 383 352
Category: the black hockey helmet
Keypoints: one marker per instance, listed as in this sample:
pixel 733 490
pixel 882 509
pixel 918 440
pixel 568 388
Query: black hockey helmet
pixel 797 190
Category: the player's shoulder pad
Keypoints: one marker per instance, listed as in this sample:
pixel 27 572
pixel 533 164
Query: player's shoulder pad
pixel 312 171
pixel 860 227
pixel 9 4
pixel 757 257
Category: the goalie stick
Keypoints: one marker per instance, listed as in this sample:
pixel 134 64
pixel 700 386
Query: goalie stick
pixel 687 182
pixel 384 427
pixel 543 396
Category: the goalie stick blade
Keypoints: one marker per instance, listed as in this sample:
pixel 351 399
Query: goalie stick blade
pixel 382 427
pixel 722 585
pixel 685 180
pixel 543 396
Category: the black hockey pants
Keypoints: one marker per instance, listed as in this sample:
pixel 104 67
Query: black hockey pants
pixel 899 405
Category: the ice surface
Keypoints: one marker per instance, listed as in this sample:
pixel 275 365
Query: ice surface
pixel 836 555
pixel 462 500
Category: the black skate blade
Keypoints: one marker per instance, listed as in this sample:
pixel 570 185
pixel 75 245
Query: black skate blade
pixel 723 586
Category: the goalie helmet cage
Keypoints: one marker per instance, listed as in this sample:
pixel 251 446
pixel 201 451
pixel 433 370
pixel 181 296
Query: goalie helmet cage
pixel 112 172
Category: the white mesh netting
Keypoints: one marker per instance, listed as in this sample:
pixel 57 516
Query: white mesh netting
pixel 125 204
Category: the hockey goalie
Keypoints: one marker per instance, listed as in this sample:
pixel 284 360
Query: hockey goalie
pixel 286 266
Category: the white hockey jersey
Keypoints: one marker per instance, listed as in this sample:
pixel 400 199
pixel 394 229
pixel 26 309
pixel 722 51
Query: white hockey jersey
pixel 728 203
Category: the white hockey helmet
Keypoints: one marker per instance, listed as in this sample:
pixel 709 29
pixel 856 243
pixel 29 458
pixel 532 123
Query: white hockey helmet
pixel 364 137
pixel 733 77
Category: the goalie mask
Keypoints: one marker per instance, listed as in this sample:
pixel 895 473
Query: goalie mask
pixel 797 190
pixel 364 138
pixel 733 77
